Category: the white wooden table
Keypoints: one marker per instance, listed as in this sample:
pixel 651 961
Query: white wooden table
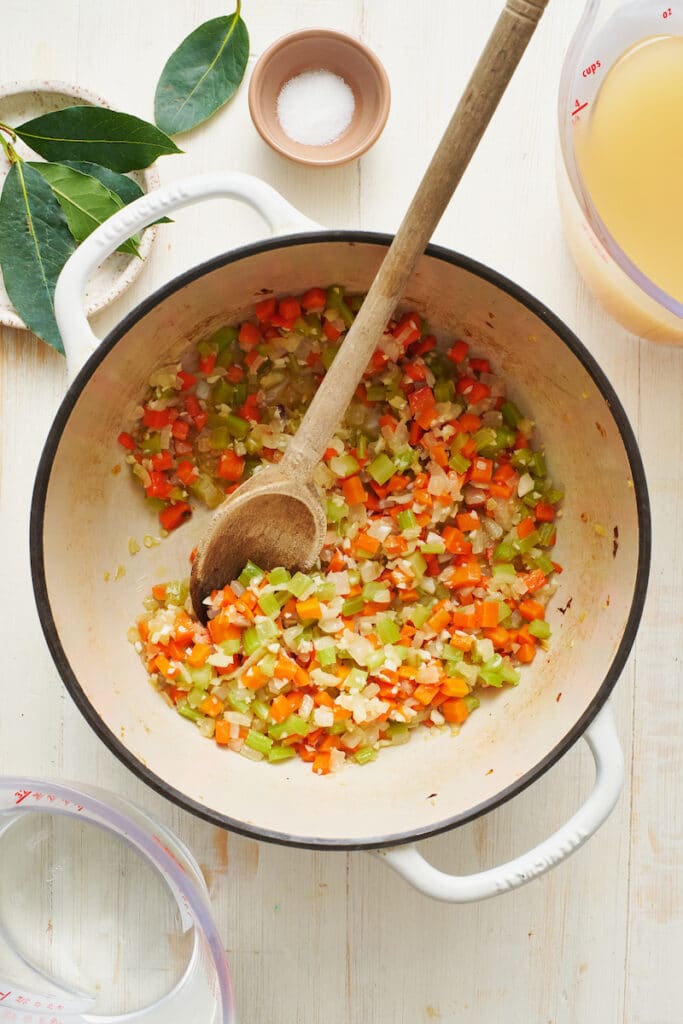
pixel 336 938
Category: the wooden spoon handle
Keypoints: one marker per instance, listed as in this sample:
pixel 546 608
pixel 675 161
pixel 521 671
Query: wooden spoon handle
pixel 503 51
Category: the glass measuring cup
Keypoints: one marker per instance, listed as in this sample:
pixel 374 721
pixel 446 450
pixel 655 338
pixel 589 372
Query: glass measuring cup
pixel 84 873
pixel 607 29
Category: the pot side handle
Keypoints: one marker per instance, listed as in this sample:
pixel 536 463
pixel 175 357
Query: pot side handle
pixel 601 736
pixel 79 340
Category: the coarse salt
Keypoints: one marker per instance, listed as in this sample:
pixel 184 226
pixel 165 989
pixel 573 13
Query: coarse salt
pixel 315 108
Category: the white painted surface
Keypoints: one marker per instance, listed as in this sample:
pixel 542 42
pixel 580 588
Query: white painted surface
pixel 328 937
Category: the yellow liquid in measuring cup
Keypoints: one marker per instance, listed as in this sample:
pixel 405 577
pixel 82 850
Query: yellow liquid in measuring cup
pixel 630 154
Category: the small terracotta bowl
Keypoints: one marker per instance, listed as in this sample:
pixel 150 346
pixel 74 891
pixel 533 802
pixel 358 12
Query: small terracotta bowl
pixel 312 50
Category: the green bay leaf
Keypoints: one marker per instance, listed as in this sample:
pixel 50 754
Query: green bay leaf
pixel 35 243
pixel 202 74
pixel 110 138
pixel 86 202
pixel 126 188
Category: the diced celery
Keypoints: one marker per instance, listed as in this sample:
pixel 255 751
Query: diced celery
pixel 220 439
pixel 503 570
pixel 433 548
pixel 419 614
pixel 365 754
pixel 222 392
pixel 299 584
pixel 407 520
pixel 278 576
pixel 202 676
pixel 335 301
pixel 520 458
pixel 546 532
pixel 387 630
pixel 509 674
pixel 327 656
pixel 552 496
pixel 362 446
pixel 401 652
pixel 231 646
pixel 381 469
pixel 238 427
pixel 403 459
pixel 277 753
pixel 471 703
pixel 484 439
pixel 187 712
pixel 196 696
pixel 539 628
pixel 151 443
pixel 444 391
pixel 237 704
pixel 356 679
pixel 206 490
pixel 260 709
pixel 326 591
pixel 376 393
pixel 327 356
pixel 374 591
pixel 224 336
pixel 267 664
pixel 250 573
pixel 504 552
pixel 504 612
pixel 418 564
pixel 343 465
pixel 537 464
pixel 491 677
pixel 511 414
pixel 398 732
pixel 375 660
pixel 258 741
pixel 544 564
pixel 523 544
pixel 451 654
pixel 353 605
pixel 266 630
pixel 251 641
pixel 207 347
pixel 293 725
pixel 336 510
pixel 176 592
pixel 268 603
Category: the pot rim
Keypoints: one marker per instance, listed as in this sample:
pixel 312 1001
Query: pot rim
pixel 157 783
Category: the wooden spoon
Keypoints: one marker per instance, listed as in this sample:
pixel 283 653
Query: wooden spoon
pixel 277 517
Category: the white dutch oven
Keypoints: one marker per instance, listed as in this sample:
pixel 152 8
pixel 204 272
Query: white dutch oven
pixel 83 515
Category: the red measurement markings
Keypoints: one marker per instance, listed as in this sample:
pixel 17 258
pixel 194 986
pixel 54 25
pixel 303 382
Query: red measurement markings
pixel 23 794
pixel 578 107
pixel 667 12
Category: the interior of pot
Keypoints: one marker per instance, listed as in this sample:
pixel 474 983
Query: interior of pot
pixel 85 513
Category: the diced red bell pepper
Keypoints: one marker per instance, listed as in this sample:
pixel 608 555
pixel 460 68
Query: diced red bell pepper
pixel 207 363
pixel 126 441
pixel 180 430
pixel 235 374
pixel 172 516
pixel 187 472
pixel 162 460
pixel 188 380
pixel 156 419
pixel 314 300
pixel 250 410
pixel 230 466
pixel 330 331
pixel 249 335
pixel 265 309
pixel 480 365
pixel 458 353
pixel 289 309
pixel 159 486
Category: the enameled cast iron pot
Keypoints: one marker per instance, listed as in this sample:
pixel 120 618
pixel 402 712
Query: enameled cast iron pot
pixel 83 516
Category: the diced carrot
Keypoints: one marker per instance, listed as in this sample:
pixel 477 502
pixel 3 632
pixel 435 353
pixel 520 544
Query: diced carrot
pixel 309 609
pixel 321 763
pixel 285 668
pixel 314 300
pixel 222 733
pixel 470 423
pixel 525 527
pixel 301 678
pixel 464 576
pixel 323 699
pixel 336 563
pixel 353 490
pixel 534 580
pixel 455 541
pixel 501 490
pixel 454 711
pixel 289 309
pixel 439 620
pixel 526 653
pixel 198 655
pixel 253 678
pixel 425 694
pixel 341 714
pixel 221 628
pixel 281 708
pixel 159 592
pixel 481 470
pixel 455 686
pixel 489 614
pixel 172 516
pixel 394 545
pixel 212 706
pixel 143 629
pixel 499 636
pixel 531 610
pixel 544 513
pixel 460 642
pixel 468 521
pixel 367 544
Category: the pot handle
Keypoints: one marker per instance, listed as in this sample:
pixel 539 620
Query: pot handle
pixel 601 736
pixel 79 340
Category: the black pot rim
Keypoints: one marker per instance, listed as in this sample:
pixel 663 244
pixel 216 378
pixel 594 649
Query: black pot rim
pixel 251 830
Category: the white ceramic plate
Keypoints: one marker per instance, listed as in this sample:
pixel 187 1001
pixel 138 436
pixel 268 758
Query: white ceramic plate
pixel 21 101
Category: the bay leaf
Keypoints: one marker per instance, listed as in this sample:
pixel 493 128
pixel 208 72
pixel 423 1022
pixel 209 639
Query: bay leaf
pixel 202 74
pixel 126 188
pixel 110 138
pixel 86 202
pixel 35 243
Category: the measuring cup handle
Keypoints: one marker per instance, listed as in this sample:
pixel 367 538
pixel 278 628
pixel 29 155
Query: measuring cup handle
pixel 79 340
